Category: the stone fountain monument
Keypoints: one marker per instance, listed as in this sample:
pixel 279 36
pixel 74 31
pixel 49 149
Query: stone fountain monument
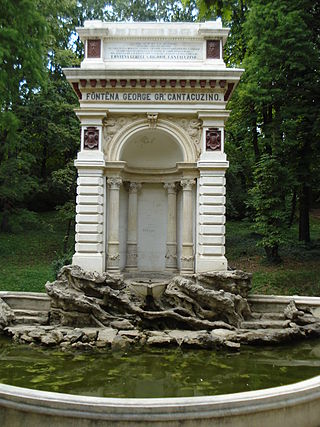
pixel 151 168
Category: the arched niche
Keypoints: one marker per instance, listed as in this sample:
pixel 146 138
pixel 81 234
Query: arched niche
pixel 166 133
pixel 151 149
pixel 151 156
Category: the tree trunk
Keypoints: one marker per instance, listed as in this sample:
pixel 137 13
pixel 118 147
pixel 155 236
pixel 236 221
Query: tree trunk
pixel 43 170
pixel 293 208
pixel 67 235
pixel 272 253
pixel 304 209
pixel 255 139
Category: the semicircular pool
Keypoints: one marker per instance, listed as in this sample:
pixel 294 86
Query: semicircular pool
pixel 157 372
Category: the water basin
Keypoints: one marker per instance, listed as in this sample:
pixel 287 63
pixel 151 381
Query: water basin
pixel 155 373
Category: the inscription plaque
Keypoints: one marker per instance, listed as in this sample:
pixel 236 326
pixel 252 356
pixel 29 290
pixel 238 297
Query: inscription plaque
pixel 153 51
pixel 153 96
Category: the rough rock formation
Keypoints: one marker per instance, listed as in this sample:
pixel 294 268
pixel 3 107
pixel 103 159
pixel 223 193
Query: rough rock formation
pixel 96 311
pixel 6 315
pixel 194 302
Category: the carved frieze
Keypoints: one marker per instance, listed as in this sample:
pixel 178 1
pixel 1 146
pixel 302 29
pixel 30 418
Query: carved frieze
pixel 213 139
pixel 113 124
pixel 193 127
pixel 91 138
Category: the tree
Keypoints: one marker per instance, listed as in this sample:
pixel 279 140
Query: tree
pixel 22 69
pixel 151 10
pixel 282 75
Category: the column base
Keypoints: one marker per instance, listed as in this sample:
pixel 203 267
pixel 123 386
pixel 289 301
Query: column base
pixel 132 257
pixel 90 262
pixel 209 263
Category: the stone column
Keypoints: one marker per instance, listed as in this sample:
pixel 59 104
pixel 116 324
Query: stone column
pixel 171 250
pixel 132 250
pixel 187 255
pixel 114 184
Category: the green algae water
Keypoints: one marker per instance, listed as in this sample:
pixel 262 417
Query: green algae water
pixel 157 372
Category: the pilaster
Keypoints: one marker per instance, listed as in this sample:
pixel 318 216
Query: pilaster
pixel 132 249
pixel 171 245
pixel 187 253
pixel 114 184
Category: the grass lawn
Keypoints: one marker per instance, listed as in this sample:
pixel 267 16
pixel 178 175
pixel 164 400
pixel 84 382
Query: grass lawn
pixel 26 258
pixel 299 272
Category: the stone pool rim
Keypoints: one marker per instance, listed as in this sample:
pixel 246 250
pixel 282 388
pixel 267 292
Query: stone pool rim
pixel 161 409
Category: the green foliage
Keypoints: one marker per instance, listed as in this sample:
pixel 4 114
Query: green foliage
pixel 26 257
pixel 298 274
pixel 64 258
pixel 151 10
pixel 22 60
pixel 304 281
pixel 269 200
pixel 22 69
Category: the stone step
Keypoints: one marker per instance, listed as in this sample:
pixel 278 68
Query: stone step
pixel 31 320
pixel 271 316
pixel 265 323
pixel 35 313
pixel 31 317
pixel 26 300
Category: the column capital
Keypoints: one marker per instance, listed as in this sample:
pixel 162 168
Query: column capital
pixel 187 184
pixel 114 183
pixel 170 187
pixel 134 187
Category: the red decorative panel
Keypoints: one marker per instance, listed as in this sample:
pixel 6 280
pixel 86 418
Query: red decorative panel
pixel 212 83
pixel 143 82
pixel 213 49
pixel 93 82
pixel 193 83
pixel 103 82
pixel 173 83
pixel 83 82
pixel 133 82
pixel 153 83
pixel 163 83
pixel 93 48
pixel 222 83
pixel 113 82
pixel 183 83
pixel 123 82
pixel 202 83
pixel 91 138
pixel 213 139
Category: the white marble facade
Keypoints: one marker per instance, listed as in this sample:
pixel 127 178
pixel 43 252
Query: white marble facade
pixel 151 168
